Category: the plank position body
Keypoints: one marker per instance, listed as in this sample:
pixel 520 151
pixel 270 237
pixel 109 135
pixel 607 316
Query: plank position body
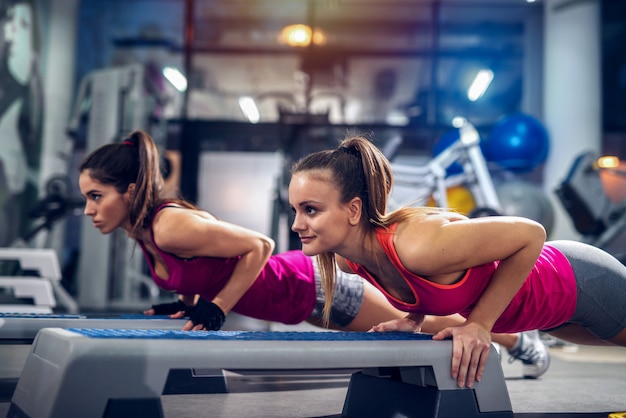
pixel 497 272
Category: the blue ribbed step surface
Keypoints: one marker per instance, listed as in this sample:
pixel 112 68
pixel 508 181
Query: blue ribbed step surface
pixel 248 335
pixel 38 315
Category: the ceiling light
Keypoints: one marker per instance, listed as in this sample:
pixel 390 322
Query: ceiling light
pixel 480 85
pixel 296 35
pixel 301 35
pixel 175 77
pixel 319 38
pixel 249 109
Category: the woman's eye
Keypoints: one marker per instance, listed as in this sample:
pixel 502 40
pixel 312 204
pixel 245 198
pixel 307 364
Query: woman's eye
pixel 310 210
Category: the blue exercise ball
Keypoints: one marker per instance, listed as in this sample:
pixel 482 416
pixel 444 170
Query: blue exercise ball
pixel 444 141
pixel 517 143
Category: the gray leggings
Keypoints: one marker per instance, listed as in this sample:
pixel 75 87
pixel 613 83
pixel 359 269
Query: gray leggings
pixel 601 288
pixel 347 298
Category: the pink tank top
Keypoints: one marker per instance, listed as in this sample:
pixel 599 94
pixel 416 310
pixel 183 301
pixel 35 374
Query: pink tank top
pixel 546 299
pixel 283 292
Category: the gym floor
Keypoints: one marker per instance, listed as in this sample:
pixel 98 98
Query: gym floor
pixel 581 382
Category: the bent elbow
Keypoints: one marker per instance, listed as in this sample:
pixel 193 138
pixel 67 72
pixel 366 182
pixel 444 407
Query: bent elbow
pixel 267 246
pixel 533 231
pixel 536 235
pixel 540 232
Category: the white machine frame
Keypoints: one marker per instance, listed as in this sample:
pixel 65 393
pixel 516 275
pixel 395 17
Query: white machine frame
pixel 42 288
pixel 431 179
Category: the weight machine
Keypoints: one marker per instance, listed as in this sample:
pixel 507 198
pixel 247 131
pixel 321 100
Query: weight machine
pixel 598 219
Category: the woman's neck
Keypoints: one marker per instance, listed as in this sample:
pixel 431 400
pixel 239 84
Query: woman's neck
pixel 363 249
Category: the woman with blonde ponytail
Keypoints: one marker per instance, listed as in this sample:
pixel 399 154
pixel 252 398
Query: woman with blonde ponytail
pixel 497 272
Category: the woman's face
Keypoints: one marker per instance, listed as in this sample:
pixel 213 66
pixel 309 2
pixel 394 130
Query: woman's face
pixel 321 221
pixel 108 208
pixel 18 33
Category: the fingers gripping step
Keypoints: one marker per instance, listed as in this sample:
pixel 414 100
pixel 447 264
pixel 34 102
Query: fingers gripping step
pixel 207 314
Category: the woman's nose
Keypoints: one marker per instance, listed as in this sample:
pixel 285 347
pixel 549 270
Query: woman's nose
pixel 296 224
pixel 88 209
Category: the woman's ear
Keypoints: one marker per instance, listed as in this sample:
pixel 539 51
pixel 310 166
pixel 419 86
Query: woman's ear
pixel 355 211
pixel 130 192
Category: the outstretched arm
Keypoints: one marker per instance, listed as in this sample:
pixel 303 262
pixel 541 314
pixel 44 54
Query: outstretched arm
pixel 187 233
pixel 449 246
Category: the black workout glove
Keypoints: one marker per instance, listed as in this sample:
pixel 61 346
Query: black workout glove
pixel 170 308
pixel 207 314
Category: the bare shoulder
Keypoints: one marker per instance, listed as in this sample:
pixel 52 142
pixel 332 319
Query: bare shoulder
pixel 424 224
pixel 417 239
pixel 173 224
pixel 447 242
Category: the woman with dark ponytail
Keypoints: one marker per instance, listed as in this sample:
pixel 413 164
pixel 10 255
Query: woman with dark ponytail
pixel 134 161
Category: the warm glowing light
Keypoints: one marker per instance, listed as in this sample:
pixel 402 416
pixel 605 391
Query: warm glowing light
pixel 301 35
pixel 296 35
pixel 319 38
pixel 608 161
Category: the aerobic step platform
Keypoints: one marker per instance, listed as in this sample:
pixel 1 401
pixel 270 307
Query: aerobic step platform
pixel 122 373
pixel 22 327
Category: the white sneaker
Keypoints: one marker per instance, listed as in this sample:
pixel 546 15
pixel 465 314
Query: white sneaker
pixel 533 354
